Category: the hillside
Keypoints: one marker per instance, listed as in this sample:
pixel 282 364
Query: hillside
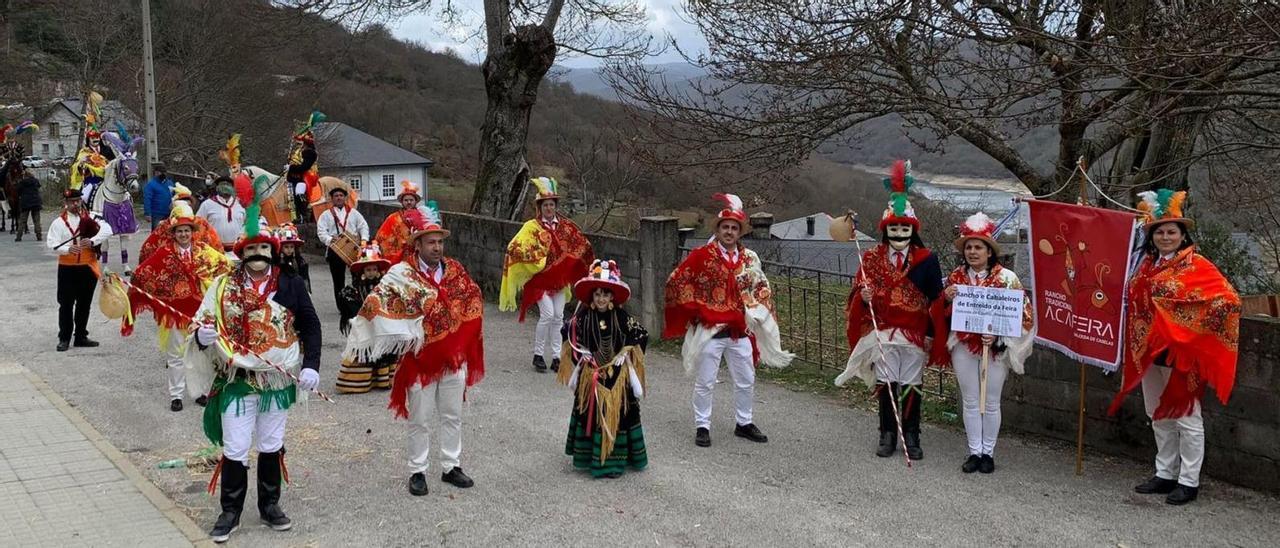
pixel 878 142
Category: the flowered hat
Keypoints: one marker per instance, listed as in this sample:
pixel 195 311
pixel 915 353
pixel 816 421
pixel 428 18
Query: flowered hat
pixel 370 255
pixel 602 275
pixel 251 193
pixel 1163 206
pixel 899 211
pixel 978 227
pixel 732 211
pixel 288 234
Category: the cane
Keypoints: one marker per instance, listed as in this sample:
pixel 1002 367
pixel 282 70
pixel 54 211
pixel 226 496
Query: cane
pixel 875 326
pixel 982 378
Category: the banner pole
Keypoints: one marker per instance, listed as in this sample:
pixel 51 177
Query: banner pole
pixel 1084 200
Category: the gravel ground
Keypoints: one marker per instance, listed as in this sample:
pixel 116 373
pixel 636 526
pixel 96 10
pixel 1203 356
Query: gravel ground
pixel 816 482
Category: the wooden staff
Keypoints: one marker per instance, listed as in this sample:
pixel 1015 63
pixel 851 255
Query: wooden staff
pixel 982 378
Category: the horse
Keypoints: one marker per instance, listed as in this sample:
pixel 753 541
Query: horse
pixel 277 203
pixel 113 198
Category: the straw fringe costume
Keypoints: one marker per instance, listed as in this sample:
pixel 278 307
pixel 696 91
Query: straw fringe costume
pixel 355 376
pixel 607 379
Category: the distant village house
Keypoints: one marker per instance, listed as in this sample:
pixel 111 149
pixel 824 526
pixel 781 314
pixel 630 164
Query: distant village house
pixel 372 166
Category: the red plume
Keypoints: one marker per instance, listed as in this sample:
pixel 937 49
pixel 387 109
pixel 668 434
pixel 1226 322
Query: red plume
pixel 414 218
pixel 244 188
pixel 898 177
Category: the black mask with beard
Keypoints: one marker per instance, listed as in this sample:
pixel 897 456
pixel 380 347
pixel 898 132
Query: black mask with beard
pixel 256 258
pixel 898 238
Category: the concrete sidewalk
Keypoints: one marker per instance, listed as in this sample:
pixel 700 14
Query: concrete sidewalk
pixel 63 485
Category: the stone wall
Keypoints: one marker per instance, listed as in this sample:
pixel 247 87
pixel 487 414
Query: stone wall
pixel 1242 438
pixel 480 244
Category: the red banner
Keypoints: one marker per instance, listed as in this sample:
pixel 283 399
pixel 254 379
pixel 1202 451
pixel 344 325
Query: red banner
pixel 1080 267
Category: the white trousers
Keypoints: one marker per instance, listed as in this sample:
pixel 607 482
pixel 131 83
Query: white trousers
pixel 550 317
pixel 902 363
pixel 741 370
pixel 443 397
pixel 1179 442
pixel 242 422
pixel 175 347
pixel 981 429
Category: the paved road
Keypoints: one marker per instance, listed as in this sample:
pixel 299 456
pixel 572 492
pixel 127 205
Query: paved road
pixel 815 482
pixel 63 486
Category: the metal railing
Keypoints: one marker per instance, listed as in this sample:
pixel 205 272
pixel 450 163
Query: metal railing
pixel 810 307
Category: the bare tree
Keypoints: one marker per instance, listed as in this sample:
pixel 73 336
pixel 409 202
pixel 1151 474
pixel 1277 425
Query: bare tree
pixel 1127 85
pixel 605 170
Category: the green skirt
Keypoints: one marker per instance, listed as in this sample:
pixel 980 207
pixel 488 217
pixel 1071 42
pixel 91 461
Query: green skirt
pixel 628 447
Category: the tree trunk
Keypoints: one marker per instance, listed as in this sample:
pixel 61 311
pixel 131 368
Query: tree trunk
pixel 512 76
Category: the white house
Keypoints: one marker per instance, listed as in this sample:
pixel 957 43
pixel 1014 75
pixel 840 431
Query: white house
pixel 61 126
pixel 372 166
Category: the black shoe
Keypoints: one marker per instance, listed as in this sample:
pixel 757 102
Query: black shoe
pixel 750 432
pixel 175 406
pixel 702 438
pixel 1156 486
pixel 227 523
pixel 418 484
pixel 988 465
pixel 202 401
pixel 63 346
pixel 555 364
pixel 86 342
pixel 971 464
pixel 888 444
pixel 539 364
pixel 274 517
pixel 456 478
pixel 1182 495
pixel 912 442
pixel 612 475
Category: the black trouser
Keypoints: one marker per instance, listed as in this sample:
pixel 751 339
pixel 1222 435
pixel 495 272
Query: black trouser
pixel 76 284
pixel 34 214
pixel 338 270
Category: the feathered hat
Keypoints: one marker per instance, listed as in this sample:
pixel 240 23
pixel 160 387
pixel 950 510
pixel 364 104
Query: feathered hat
pixel 978 227
pixel 181 215
pixel 250 193
pixel 423 220
pixel 306 132
pixel 181 192
pixel 1163 206
pixel 407 187
pixel 548 189
pixel 231 152
pixel 602 275
pixel 370 255
pixel 288 234
pixel 732 210
pixel 899 211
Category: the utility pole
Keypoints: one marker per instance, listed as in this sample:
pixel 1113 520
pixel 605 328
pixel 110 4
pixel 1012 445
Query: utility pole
pixel 149 87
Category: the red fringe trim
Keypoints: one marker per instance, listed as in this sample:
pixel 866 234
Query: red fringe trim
pixel 217 473
pixel 466 345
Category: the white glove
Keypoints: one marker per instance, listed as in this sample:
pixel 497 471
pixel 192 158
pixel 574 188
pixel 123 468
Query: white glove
pixel 206 334
pixel 636 387
pixel 300 189
pixel 309 379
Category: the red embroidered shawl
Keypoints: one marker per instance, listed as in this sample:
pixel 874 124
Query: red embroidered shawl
pixel 1184 307
pixel 704 288
pixel 899 304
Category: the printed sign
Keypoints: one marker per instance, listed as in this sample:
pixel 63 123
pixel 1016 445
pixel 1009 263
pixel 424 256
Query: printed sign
pixel 987 310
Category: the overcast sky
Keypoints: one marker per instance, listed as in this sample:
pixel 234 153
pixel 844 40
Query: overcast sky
pixel 665 17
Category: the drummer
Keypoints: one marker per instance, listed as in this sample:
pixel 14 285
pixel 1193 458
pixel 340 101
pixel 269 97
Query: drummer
pixel 340 219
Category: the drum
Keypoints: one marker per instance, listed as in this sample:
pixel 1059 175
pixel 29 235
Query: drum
pixel 346 247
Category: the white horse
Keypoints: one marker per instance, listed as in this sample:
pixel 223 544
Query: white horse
pixel 113 198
